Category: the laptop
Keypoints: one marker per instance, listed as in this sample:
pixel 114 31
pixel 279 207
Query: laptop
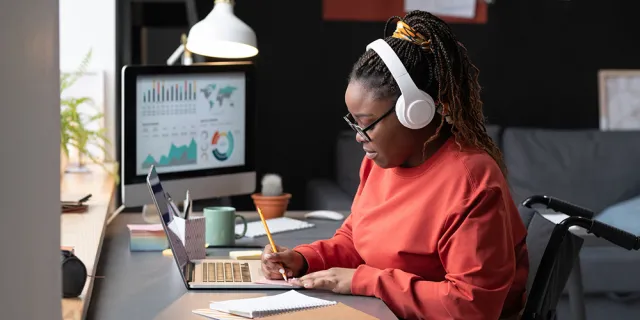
pixel 222 273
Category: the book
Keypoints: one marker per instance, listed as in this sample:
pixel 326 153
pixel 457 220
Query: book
pixel 269 305
pixel 147 237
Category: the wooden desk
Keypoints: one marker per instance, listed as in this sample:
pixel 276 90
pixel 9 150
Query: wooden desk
pixel 148 285
pixel 85 231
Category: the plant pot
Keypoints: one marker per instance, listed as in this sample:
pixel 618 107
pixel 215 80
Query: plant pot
pixel 271 206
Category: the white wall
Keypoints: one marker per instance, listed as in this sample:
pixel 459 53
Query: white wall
pixel 91 24
pixel 30 140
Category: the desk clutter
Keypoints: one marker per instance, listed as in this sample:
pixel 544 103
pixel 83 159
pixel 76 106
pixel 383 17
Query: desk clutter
pixel 74 273
pixel 269 305
pixel 276 225
pixel 151 237
pixel 246 255
pixel 75 206
pixel 289 305
pixel 147 237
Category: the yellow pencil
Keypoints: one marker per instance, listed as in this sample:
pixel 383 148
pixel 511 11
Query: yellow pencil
pixel 273 245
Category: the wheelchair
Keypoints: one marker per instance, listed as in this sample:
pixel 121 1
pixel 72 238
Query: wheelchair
pixel 554 255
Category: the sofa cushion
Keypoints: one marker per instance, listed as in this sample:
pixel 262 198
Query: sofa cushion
pixel 324 194
pixel 591 168
pixel 494 133
pixel 624 215
pixel 349 155
pixel 608 268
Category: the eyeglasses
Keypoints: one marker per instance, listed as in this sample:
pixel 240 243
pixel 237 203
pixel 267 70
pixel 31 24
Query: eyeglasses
pixel 363 131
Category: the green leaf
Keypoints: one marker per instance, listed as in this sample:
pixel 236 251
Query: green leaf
pixel 74 131
pixel 68 79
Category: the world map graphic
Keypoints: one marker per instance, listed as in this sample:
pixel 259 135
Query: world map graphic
pixel 217 97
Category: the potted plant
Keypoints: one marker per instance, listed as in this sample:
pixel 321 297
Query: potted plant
pixel 271 200
pixel 75 131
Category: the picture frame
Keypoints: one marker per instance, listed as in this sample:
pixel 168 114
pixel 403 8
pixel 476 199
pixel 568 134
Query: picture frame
pixel 619 99
pixel 381 10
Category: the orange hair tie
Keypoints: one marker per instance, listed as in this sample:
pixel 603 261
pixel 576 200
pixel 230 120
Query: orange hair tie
pixel 406 32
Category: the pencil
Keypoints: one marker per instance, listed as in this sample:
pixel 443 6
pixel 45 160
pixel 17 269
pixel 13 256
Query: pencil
pixel 273 245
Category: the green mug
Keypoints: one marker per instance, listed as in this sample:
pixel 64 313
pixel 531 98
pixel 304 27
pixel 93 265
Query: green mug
pixel 221 226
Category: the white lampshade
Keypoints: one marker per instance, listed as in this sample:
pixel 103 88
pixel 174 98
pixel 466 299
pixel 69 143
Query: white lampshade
pixel 221 34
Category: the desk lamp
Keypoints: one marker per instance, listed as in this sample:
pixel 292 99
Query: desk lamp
pixel 220 34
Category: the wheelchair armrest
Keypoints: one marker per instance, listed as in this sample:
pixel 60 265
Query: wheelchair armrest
pixel 559 205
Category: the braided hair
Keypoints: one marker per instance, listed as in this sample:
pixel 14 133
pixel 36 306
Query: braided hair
pixel 445 72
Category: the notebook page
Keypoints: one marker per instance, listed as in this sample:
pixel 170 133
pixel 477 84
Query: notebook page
pixel 270 305
pixel 217 315
pixel 276 225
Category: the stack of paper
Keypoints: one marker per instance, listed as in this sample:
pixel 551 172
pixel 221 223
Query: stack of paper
pixel 263 306
pixel 276 225
pixel 147 237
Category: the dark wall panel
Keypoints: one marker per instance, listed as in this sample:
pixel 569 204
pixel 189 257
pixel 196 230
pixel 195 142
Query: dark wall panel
pixel 538 63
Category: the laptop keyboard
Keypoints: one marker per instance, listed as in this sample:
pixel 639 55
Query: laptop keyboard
pixel 225 272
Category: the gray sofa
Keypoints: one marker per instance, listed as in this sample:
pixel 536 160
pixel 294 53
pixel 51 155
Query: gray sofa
pixel 594 169
pixel 337 193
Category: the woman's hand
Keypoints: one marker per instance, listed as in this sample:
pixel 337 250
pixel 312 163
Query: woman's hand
pixel 287 260
pixel 337 280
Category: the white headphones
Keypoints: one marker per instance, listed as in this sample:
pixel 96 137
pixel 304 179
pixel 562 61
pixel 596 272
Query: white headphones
pixel 415 108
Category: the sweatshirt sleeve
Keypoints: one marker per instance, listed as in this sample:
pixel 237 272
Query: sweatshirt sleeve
pixel 338 251
pixel 477 252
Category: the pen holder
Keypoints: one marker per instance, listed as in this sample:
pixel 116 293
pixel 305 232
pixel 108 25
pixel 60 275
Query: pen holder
pixel 195 229
pixel 189 235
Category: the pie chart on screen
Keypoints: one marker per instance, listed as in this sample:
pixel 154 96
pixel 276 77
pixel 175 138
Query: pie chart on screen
pixel 222 145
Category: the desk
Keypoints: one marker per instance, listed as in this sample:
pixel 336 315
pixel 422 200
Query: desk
pixel 147 285
pixel 85 231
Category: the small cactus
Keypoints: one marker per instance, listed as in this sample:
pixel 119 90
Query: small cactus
pixel 271 185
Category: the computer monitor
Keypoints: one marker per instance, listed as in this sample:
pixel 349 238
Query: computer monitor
pixel 195 124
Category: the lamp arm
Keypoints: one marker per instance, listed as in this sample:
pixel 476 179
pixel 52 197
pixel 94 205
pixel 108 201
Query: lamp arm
pixel 175 55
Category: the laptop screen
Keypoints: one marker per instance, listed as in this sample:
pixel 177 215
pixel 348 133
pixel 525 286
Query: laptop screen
pixel 167 214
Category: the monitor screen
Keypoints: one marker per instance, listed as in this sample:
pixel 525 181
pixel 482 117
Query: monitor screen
pixel 194 124
pixel 190 122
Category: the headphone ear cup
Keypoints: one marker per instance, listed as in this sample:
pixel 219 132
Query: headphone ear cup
pixel 401 111
pixel 418 114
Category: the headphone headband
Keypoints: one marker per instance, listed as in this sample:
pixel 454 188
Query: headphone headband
pixel 415 108
pixel 407 87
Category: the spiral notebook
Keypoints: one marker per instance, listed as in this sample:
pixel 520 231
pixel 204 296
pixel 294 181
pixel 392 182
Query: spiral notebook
pixel 270 305
pixel 276 225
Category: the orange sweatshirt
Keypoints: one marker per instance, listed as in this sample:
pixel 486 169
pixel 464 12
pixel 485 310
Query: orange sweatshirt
pixel 439 241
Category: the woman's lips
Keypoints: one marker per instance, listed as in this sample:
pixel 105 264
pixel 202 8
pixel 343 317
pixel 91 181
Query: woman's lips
pixel 370 154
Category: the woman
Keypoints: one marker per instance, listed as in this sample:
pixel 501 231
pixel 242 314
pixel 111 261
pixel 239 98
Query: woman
pixel 433 231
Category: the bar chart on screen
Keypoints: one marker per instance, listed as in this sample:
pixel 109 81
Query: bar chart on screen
pixel 189 124
pixel 168 98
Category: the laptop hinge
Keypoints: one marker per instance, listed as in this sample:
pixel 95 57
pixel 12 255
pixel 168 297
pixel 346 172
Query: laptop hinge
pixel 190 271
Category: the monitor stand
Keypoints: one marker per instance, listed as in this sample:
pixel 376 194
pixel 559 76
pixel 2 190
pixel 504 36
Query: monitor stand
pixel 150 212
